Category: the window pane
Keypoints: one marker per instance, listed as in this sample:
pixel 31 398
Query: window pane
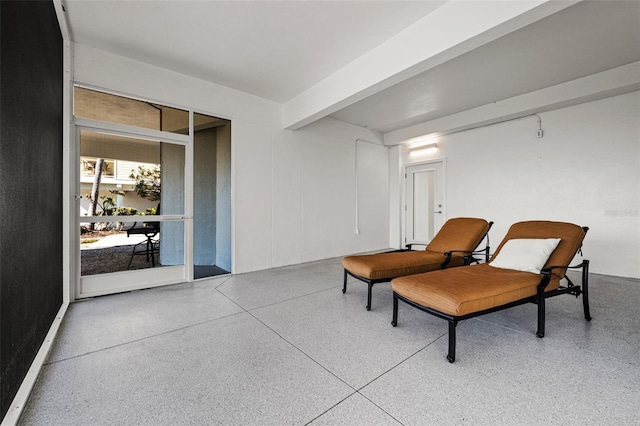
pixel 96 105
pixel 131 247
pixel 139 176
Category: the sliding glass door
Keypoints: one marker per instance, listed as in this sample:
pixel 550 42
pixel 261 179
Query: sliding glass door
pixel 153 194
pixel 131 206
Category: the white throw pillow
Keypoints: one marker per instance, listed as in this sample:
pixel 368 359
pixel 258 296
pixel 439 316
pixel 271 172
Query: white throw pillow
pixel 527 254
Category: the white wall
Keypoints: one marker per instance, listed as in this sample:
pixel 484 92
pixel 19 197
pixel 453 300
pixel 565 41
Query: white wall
pixel 292 192
pixel 585 170
pixel 315 185
pixel 328 190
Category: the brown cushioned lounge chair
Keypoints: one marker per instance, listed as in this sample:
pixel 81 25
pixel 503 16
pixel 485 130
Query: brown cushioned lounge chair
pixel 460 293
pixel 453 245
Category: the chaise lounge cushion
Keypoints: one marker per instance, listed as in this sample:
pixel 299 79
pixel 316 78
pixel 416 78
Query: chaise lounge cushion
pixel 469 289
pixel 571 237
pixel 396 264
pixel 461 233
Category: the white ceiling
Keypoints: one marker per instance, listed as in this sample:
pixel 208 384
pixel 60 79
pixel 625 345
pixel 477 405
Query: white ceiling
pixel 279 50
pixel 272 49
pixel 584 39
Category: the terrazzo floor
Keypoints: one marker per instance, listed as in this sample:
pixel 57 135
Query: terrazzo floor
pixel 286 347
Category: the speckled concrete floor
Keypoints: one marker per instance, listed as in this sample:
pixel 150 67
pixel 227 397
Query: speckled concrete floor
pixel 285 346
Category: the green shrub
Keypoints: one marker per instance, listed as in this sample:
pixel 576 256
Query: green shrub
pixel 124 211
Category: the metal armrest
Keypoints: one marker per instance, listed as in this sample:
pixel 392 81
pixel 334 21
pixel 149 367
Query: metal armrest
pixel 468 257
pixel 410 245
pixel 548 269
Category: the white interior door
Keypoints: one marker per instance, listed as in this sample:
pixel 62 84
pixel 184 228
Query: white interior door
pixel 424 201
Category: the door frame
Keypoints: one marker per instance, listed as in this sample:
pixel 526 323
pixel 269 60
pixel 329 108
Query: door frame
pixel 442 179
pixel 71 177
pixel 145 278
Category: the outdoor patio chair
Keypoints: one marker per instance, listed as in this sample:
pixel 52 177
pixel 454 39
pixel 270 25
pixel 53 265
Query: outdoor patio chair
pixel 528 266
pixel 151 245
pixel 452 246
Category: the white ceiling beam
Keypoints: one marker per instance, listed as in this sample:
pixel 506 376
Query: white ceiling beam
pixel 616 81
pixel 455 28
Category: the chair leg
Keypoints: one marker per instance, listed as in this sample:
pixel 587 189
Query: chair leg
pixel 369 296
pixel 394 320
pixel 585 290
pixel 541 314
pixel 150 251
pixel 451 356
pixel 344 286
pixel 132 254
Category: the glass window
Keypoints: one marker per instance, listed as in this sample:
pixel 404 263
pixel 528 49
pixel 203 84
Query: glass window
pixel 101 106
pixel 139 176
pixel 107 247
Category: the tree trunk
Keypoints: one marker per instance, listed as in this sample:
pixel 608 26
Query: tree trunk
pixel 95 190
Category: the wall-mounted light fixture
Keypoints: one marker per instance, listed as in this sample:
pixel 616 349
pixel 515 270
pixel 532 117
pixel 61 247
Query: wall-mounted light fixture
pixel 417 148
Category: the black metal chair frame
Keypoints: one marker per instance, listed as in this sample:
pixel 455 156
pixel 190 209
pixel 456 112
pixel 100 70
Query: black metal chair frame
pixel 468 259
pixel 151 246
pixel 538 299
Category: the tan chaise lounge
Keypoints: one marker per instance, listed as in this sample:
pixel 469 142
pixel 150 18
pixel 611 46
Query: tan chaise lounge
pixel 460 293
pixel 453 245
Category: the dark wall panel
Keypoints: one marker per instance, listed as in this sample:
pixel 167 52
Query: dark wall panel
pixel 31 87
